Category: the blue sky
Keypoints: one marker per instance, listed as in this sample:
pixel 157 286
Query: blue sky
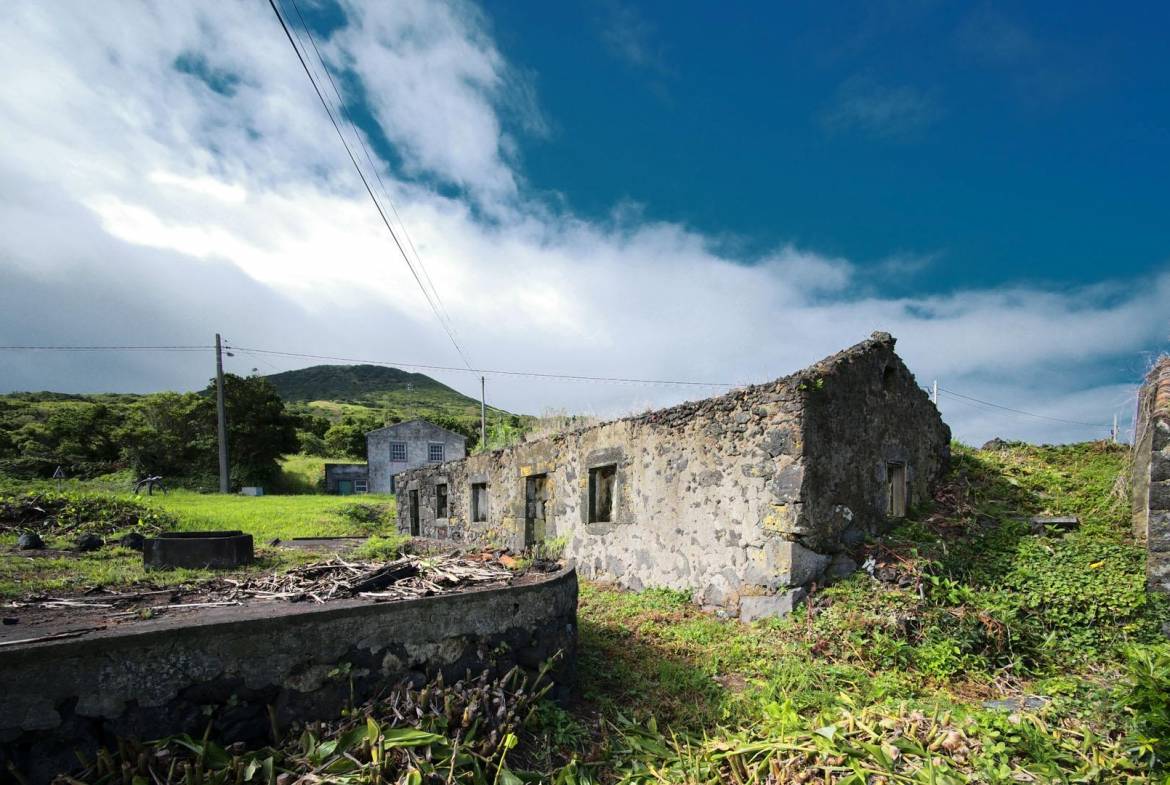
pixel 1002 144
pixel 678 190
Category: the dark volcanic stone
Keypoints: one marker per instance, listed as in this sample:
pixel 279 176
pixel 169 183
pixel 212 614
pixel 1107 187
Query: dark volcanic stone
pixel 133 541
pixel 30 541
pixel 89 542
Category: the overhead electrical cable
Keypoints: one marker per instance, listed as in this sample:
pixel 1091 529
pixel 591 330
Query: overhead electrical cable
pixel 370 160
pixel 255 353
pixel 456 369
pixel 1021 411
pixel 188 348
pixel 365 182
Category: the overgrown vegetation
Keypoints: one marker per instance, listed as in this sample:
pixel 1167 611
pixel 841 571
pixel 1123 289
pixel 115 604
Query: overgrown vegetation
pixel 172 434
pixel 61 517
pixel 974 649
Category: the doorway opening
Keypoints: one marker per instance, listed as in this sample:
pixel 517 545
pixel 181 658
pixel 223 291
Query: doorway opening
pixel 536 493
pixel 414 527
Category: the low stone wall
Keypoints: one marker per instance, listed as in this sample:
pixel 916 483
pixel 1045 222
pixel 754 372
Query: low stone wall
pixel 1151 474
pixel 157 678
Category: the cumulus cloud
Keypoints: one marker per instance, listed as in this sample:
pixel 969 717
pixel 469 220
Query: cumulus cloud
pixel 169 176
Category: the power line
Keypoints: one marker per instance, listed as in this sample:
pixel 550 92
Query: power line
pixel 365 182
pixel 189 348
pixel 369 159
pixel 254 352
pixel 1021 411
pixel 456 369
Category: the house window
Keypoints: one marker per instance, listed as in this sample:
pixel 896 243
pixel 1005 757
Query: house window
pixel 601 482
pixel 897 490
pixel 398 451
pixel 361 486
pixel 435 453
pixel 479 502
pixel 441 500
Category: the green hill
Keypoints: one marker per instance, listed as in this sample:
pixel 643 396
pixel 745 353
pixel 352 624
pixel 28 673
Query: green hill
pixel 334 391
pixel 358 383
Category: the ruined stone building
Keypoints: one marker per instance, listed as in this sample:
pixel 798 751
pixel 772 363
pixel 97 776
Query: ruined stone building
pixel 744 499
pixel 1151 474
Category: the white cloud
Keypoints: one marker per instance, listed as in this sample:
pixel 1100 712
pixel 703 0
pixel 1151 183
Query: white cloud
pixel 887 111
pixel 146 203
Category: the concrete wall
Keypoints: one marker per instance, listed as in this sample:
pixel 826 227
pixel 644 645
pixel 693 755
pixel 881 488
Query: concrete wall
pixel 417 434
pixel 334 472
pixel 1151 474
pixel 715 496
pixel 226 666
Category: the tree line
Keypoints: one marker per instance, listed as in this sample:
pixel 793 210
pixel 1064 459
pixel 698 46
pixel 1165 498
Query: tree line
pixel 174 434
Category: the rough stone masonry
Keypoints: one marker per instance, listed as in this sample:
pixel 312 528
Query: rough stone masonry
pixel 1151 474
pixel 745 500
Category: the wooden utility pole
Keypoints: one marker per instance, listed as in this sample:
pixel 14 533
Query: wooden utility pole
pixel 221 417
pixel 482 416
pixel 934 393
pixel 1115 427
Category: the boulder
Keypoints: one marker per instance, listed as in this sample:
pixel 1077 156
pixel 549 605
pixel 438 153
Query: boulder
pixel 133 541
pixel 30 541
pixel 89 542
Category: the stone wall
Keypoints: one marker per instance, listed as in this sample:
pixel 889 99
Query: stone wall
pixel 226 666
pixel 864 414
pixel 417 434
pixel 1151 474
pixel 724 497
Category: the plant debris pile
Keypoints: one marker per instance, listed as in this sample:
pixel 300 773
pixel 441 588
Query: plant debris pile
pixel 58 514
pixel 462 732
pixel 405 578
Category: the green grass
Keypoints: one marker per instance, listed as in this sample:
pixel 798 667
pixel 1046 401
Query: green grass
pixel 264 517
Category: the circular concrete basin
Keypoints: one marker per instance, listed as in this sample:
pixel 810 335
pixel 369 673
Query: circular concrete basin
pixel 197 550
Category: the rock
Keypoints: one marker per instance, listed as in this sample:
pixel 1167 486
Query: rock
pixel 842 566
pixel 1064 523
pixel 996 444
pixel 1023 703
pixel 89 542
pixel 30 541
pixel 133 541
pixel 765 606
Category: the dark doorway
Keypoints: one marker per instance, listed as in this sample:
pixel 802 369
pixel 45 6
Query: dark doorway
pixel 896 478
pixel 414 529
pixel 535 500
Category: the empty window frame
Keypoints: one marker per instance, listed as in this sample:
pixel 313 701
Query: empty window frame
pixel 601 486
pixel 398 451
pixel 897 490
pixel 435 453
pixel 441 500
pixel 479 502
pixel 361 486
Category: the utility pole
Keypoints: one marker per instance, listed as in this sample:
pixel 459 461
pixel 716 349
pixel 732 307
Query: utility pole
pixel 482 416
pixel 221 417
pixel 1115 427
pixel 934 392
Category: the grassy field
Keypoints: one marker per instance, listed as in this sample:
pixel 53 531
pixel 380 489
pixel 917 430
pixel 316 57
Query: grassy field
pixel 266 518
pixel 271 517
